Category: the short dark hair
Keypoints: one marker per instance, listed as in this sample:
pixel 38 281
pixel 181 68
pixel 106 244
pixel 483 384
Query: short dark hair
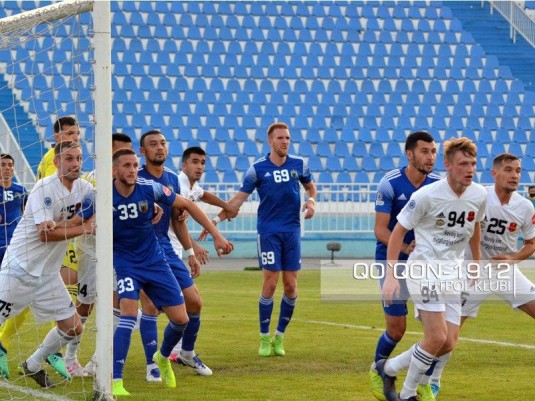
pixel 504 157
pixel 146 134
pixel 189 151
pixel 65 145
pixel 121 152
pixel 7 156
pixel 60 122
pixel 531 187
pixel 120 137
pixel 276 125
pixel 413 138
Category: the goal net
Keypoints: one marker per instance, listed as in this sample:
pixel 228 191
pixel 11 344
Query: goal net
pixel 48 69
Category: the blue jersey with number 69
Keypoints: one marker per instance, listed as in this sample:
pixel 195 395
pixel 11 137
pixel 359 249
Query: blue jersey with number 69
pixel 134 239
pixel 278 188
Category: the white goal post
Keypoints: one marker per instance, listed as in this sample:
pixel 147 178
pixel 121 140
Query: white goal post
pixel 15 25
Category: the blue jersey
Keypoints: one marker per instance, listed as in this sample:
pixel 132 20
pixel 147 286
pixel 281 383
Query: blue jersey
pixel 170 180
pixel 279 192
pixel 393 193
pixel 12 202
pixel 134 239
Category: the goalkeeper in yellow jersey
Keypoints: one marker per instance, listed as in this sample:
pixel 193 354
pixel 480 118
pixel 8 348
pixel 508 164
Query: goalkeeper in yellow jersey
pixel 65 129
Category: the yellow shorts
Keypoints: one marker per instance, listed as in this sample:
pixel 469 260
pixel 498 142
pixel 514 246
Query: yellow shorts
pixel 70 260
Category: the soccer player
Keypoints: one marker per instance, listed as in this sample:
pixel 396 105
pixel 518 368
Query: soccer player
pixel 531 194
pixel 29 275
pixel 393 193
pixel 12 200
pixel 277 178
pixel 65 129
pixel 140 262
pixel 508 215
pixel 445 217
pixel 154 148
pixel 193 167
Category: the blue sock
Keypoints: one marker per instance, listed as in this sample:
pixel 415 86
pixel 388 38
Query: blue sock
pixel 190 334
pixel 121 344
pixel 265 308
pixel 148 328
pixel 385 346
pixel 287 310
pixel 171 336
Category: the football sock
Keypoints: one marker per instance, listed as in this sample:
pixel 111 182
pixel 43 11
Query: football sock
pixel 121 344
pixel 385 346
pixel 190 334
pixel 53 342
pixel 171 336
pixel 148 328
pixel 265 309
pixel 286 312
pixel 421 360
pixel 72 347
pixel 439 368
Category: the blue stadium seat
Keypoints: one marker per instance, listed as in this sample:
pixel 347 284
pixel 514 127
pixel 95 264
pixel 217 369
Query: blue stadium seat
pixel 350 163
pixel 333 164
pixel 369 163
pixel 323 149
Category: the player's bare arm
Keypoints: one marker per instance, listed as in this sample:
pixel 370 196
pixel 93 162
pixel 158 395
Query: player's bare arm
pixel 382 233
pixel 158 214
pixel 48 230
pixel 221 245
pixel 236 201
pixel 527 249
pixel 391 285
pixel 210 198
pixel 181 231
pixel 309 207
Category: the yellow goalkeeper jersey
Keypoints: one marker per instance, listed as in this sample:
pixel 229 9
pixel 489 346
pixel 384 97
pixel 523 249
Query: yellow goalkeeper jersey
pixel 46 166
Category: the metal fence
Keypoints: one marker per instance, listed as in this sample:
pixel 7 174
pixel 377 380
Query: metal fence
pixel 517 17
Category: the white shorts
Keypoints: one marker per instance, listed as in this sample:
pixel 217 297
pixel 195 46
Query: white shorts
pixel 46 296
pixel 435 296
pixel 87 277
pixel 511 286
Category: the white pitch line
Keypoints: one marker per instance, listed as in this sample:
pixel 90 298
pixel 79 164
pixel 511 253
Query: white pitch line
pixel 35 393
pixel 472 340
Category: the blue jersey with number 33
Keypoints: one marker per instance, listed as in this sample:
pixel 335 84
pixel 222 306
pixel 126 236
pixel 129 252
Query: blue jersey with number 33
pixel 134 239
pixel 279 190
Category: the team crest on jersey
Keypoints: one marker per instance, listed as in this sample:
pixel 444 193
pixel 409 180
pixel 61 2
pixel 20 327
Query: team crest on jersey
pixel 440 219
pixel 170 186
pixel 166 191
pixel 512 227
pixel 379 201
pixel 471 216
pixel 294 174
pixel 412 204
pixel 48 201
pixel 143 206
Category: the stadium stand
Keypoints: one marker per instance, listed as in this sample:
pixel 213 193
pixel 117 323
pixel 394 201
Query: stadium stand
pixel 352 79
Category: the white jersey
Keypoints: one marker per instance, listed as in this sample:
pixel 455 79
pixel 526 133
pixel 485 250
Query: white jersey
pixel 87 243
pixel 443 222
pixel 503 224
pixel 193 193
pixel 49 200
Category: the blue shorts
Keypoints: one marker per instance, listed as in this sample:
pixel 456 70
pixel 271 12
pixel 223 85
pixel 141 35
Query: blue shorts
pixel 279 251
pixel 398 306
pixel 180 270
pixel 158 282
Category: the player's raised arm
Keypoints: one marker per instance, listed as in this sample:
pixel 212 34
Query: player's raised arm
pixel 221 245
pixel 210 198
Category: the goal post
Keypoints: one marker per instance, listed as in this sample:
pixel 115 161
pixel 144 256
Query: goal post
pixel 16 31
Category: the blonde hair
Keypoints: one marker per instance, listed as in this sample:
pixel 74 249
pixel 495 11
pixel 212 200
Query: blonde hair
pixel 276 125
pixel 454 145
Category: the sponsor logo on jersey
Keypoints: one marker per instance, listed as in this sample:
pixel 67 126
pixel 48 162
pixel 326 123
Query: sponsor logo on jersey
pixel 170 186
pixel 512 227
pixel 267 174
pixel 143 206
pixel 379 201
pixel 402 197
pixel 471 216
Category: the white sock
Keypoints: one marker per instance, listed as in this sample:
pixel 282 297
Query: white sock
pixel 177 348
pixel 421 360
pixel 72 347
pixel 401 362
pixel 53 342
pixel 439 368
pixel 151 366
pixel 116 317
pixel 187 354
